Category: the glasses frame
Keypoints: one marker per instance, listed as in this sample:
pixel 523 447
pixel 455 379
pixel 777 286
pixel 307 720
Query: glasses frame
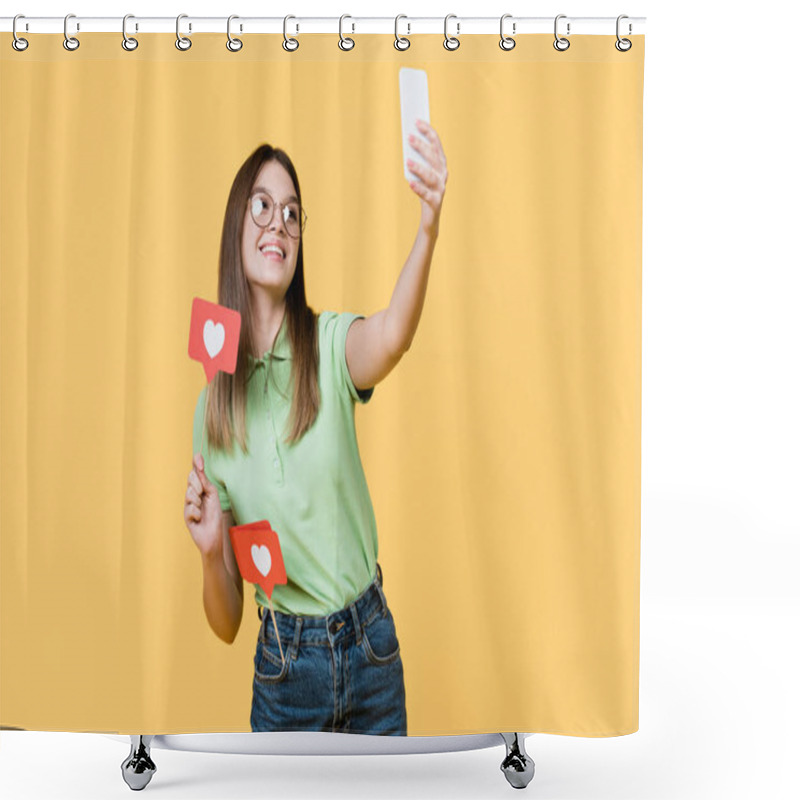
pixel 276 204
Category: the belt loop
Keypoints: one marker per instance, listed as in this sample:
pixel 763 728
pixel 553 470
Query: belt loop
pixel 383 601
pixel 379 587
pixel 298 627
pixel 356 622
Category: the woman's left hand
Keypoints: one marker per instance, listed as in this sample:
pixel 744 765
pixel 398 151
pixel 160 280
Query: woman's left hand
pixel 431 180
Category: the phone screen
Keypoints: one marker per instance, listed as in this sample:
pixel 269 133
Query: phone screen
pixel 413 105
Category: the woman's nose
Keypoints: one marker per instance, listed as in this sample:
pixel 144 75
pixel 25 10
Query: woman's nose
pixel 277 219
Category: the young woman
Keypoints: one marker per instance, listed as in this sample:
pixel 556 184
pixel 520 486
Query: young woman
pixel 281 446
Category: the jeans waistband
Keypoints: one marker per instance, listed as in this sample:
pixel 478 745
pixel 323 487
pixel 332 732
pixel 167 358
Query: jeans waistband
pixel 349 620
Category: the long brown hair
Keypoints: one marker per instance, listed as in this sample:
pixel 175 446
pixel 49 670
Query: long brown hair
pixel 227 398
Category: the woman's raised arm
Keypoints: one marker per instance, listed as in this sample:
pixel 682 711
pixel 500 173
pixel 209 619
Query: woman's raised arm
pixel 375 345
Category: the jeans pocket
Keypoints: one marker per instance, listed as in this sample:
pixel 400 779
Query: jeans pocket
pixel 379 639
pixel 269 667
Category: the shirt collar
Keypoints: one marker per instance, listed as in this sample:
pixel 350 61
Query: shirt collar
pixel 281 350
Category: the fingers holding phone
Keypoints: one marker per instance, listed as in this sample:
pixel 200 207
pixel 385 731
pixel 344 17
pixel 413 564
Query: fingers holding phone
pixel 424 162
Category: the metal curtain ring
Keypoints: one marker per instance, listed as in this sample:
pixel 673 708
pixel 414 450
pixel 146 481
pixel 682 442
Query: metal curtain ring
pixel 70 42
pixel 506 42
pixel 289 44
pixel 128 42
pixel 182 42
pixel 17 43
pixel 234 45
pixel 400 42
pixel 623 48
pixel 561 43
pixel 345 42
pixel 451 42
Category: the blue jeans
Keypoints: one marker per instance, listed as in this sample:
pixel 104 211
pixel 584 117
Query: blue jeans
pixel 342 673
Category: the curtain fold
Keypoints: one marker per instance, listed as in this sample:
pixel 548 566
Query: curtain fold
pixel 502 454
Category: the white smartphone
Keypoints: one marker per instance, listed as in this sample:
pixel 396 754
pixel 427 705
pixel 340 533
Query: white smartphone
pixel 413 106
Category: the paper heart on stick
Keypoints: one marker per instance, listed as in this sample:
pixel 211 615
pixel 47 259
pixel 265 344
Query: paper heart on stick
pixel 213 337
pixel 261 558
pixel 258 554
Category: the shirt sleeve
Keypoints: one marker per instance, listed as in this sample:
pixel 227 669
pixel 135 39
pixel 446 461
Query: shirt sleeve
pixel 337 326
pixel 208 463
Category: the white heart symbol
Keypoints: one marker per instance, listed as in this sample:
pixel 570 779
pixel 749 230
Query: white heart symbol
pixel 213 337
pixel 261 558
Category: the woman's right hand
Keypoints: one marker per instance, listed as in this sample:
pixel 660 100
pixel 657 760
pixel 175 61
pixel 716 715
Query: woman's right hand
pixel 202 511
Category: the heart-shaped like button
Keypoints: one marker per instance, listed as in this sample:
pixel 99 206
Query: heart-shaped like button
pixel 213 337
pixel 261 558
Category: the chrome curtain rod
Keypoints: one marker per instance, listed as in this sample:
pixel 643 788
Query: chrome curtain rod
pixel 406 26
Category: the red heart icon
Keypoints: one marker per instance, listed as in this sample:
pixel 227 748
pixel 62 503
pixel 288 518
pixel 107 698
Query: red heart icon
pixel 214 337
pixel 258 554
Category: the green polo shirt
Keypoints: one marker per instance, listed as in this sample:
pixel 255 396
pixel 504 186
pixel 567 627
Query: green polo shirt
pixel 314 492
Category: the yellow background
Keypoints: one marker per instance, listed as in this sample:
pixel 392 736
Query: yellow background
pixel 502 454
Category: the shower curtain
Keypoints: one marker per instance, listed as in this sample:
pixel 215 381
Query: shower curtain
pixel 501 454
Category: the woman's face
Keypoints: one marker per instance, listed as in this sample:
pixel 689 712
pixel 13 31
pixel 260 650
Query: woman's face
pixel 266 267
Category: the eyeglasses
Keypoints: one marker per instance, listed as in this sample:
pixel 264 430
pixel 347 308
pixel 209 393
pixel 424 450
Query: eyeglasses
pixel 262 209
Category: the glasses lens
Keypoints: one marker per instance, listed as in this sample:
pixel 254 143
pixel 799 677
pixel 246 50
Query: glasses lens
pixel 261 209
pixel 291 218
pixel 262 206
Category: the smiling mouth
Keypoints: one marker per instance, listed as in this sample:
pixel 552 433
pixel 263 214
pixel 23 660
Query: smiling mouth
pixel 272 253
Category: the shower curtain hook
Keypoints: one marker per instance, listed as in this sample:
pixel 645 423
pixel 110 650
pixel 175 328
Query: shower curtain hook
pixel 506 42
pixel 128 42
pixel 289 44
pixel 397 38
pixel 18 44
pixel 345 42
pixel 561 44
pixel 234 45
pixel 182 42
pixel 619 43
pixel 70 42
pixel 451 42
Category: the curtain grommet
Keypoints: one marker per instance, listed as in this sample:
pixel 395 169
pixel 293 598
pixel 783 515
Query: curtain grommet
pixel 289 44
pixel 506 42
pixel 128 42
pixel 623 45
pixel 345 42
pixel 451 43
pixel 400 42
pixel 561 44
pixel 183 43
pixel 71 43
pixel 18 43
pixel 233 45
